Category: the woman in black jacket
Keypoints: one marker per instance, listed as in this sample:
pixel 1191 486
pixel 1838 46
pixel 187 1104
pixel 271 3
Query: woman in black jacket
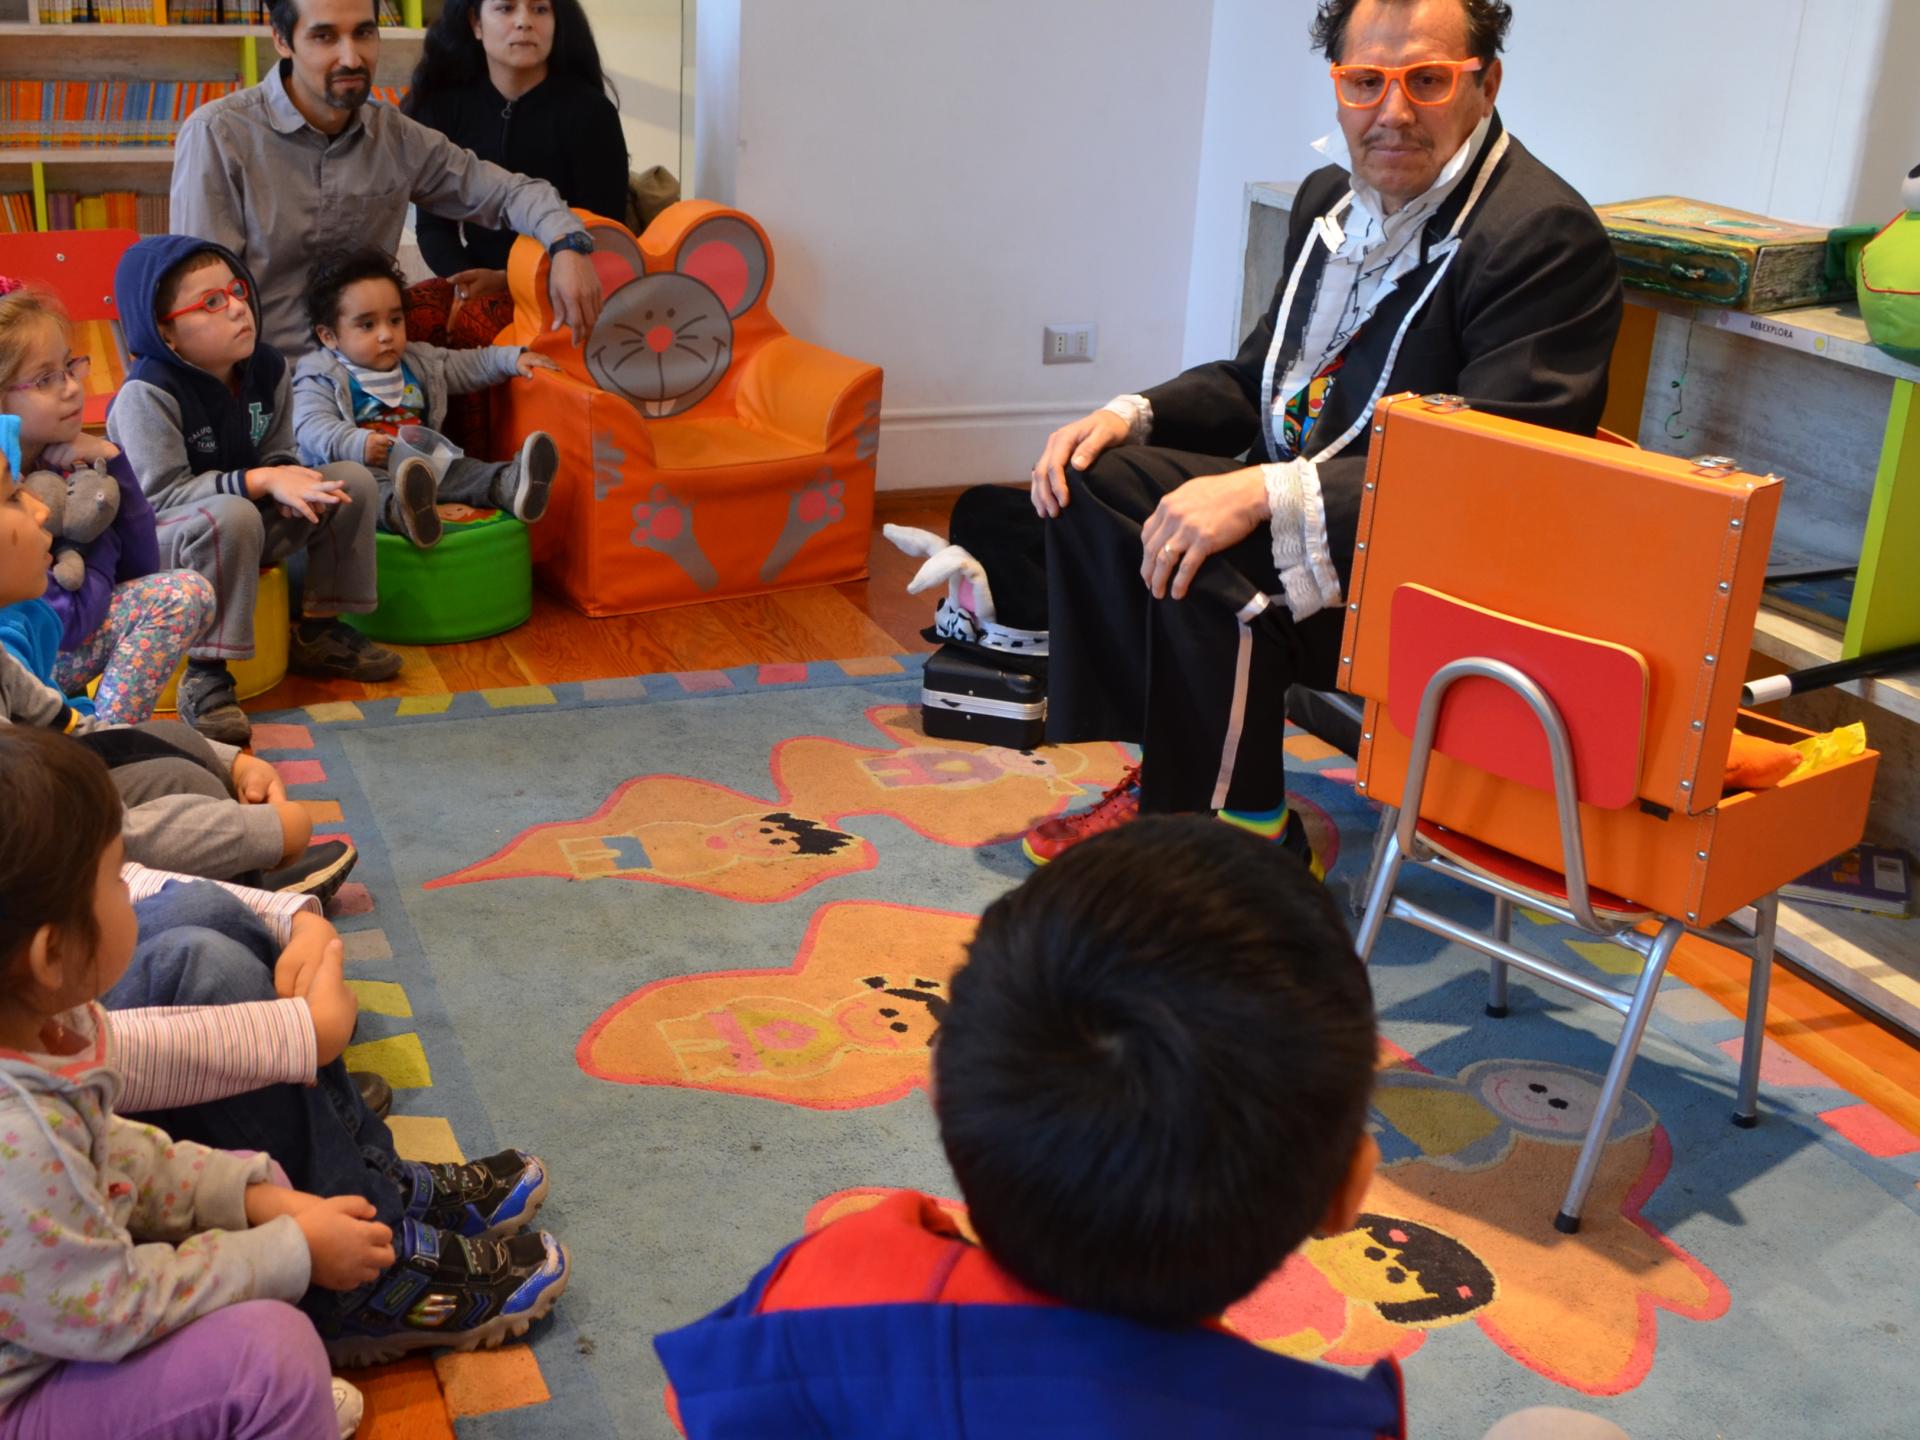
pixel 517 82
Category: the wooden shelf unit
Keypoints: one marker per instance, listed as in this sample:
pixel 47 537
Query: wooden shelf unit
pixel 33 50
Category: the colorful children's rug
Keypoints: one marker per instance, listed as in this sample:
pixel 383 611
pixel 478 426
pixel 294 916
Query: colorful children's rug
pixel 688 937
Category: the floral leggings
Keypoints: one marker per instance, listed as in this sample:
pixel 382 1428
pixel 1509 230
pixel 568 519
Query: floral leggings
pixel 149 626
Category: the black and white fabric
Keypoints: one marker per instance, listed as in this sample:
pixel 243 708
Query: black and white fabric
pixel 1507 295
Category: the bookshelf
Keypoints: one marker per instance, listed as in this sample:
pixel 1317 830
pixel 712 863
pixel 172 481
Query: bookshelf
pixel 37 49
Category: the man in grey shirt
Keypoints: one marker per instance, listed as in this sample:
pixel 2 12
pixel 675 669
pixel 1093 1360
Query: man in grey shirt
pixel 300 165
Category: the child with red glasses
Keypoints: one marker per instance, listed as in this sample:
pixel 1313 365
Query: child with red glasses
pixel 128 621
pixel 206 417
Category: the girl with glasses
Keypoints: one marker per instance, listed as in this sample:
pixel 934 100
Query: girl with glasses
pixel 130 621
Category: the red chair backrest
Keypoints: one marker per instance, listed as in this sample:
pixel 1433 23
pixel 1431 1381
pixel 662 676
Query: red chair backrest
pixel 78 266
pixel 1599 688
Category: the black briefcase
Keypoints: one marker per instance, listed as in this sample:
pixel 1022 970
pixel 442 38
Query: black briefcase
pixel 966 695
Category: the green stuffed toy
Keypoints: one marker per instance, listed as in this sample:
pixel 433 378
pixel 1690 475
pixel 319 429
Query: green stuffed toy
pixel 1889 279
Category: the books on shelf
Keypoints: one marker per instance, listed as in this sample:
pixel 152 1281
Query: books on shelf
pixel 36 114
pixel 101 12
pixel 68 210
pixel 1868 877
pixel 245 12
pixel 16 213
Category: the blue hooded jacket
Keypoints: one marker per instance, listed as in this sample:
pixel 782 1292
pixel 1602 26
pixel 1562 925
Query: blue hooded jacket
pixel 226 432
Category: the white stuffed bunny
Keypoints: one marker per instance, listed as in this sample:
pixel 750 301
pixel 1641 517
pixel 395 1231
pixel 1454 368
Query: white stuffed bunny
pixel 967 612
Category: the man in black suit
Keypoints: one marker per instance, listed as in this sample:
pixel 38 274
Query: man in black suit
pixel 1200 535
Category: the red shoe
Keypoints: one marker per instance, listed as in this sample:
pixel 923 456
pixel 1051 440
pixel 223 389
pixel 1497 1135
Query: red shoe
pixel 1051 839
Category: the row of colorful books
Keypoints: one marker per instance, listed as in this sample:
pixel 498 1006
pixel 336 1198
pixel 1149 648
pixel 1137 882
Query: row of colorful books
pixel 70 210
pixel 173 12
pixel 46 113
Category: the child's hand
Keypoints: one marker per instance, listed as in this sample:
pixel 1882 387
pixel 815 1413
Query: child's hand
pixel 296 829
pixel 296 490
pixel 333 1006
pixel 530 362
pixel 268 1202
pixel 293 972
pixel 83 449
pixel 349 1248
pixel 256 780
pixel 379 447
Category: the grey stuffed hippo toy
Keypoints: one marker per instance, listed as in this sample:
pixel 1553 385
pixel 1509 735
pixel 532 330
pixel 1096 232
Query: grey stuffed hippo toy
pixel 80 507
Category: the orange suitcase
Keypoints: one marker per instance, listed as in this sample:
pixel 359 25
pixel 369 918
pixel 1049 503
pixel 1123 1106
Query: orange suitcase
pixel 1662 556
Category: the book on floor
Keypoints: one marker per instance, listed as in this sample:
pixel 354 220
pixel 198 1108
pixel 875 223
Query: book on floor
pixel 1875 878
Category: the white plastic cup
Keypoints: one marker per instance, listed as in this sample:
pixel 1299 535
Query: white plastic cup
pixel 418 442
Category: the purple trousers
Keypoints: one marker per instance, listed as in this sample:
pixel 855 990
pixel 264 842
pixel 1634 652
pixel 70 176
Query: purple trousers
pixel 248 1372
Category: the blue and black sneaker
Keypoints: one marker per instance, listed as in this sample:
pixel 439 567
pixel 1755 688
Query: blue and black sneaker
pixel 482 1199
pixel 448 1292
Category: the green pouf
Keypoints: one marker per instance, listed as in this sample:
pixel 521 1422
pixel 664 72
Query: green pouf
pixel 1889 279
pixel 478 581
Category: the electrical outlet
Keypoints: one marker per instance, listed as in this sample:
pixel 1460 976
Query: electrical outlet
pixel 1068 344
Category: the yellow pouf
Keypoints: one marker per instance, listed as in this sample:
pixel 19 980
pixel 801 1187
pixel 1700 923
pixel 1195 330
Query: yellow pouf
pixel 271 624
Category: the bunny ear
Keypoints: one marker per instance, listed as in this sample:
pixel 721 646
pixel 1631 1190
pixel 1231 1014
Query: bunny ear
pixel 616 258
pixel 727 255
pixel 913 542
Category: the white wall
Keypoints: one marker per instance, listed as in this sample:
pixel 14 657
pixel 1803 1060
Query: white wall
pixel 640 47
pixel 942 180
pixel 1788 107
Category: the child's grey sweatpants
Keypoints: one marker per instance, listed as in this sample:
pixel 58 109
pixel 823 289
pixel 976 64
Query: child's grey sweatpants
pixel 228 538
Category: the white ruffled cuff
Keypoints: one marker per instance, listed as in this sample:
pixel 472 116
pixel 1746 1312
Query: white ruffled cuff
pixel 1301 551
pixel 1137 411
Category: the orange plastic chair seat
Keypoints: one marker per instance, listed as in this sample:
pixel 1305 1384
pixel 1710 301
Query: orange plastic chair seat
pixel 709 444
pixel 1537 880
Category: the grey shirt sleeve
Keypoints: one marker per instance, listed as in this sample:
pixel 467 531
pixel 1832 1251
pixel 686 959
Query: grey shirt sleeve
pixel 145 422
pixel 26 700
pixel 458 184
pixel 476 369
pixel 322 427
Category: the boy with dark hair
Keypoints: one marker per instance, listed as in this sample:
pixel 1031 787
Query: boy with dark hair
pixel 352 396
pixel 206 420
pixel 1152 1081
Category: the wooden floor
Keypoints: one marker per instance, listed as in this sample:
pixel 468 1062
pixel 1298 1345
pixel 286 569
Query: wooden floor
pixel 831 622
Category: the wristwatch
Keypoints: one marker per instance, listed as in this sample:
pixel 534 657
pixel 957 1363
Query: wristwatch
pixel 579 241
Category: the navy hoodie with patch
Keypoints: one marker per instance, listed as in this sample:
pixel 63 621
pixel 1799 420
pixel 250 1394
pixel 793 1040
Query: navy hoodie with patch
pixel 190 435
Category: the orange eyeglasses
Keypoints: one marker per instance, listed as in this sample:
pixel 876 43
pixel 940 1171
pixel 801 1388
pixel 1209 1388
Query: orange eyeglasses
pixel 213 301
pixel 1430 82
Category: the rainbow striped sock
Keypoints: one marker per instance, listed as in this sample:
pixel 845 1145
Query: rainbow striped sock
pixel 1267 824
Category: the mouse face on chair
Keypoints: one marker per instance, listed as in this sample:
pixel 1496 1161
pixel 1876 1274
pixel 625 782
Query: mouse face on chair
pixel 664 341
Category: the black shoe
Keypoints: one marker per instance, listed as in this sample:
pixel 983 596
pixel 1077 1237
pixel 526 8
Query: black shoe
pixel 414 510
pixel 205 700
pixel 482 1199
pixel 530 479
pixel 375 1093
pixel 340 652
pixel 319 872
pixel 445 1291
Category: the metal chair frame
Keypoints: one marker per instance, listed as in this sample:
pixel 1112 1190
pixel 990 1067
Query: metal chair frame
pixel 1399 843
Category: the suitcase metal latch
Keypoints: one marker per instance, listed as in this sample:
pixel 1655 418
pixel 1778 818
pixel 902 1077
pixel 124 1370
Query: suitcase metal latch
pixel 1445 404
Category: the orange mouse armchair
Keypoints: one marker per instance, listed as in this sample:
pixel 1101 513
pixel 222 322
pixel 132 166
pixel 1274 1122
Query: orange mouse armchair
pixel 704 452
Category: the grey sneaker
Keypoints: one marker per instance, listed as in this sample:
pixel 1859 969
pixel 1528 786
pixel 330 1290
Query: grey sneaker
pixel 413 509
pixel 528 480
pixel 340 652
pixel 206 701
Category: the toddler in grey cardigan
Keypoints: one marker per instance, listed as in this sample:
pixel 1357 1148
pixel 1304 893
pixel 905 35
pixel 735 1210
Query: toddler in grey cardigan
pixel 351 397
